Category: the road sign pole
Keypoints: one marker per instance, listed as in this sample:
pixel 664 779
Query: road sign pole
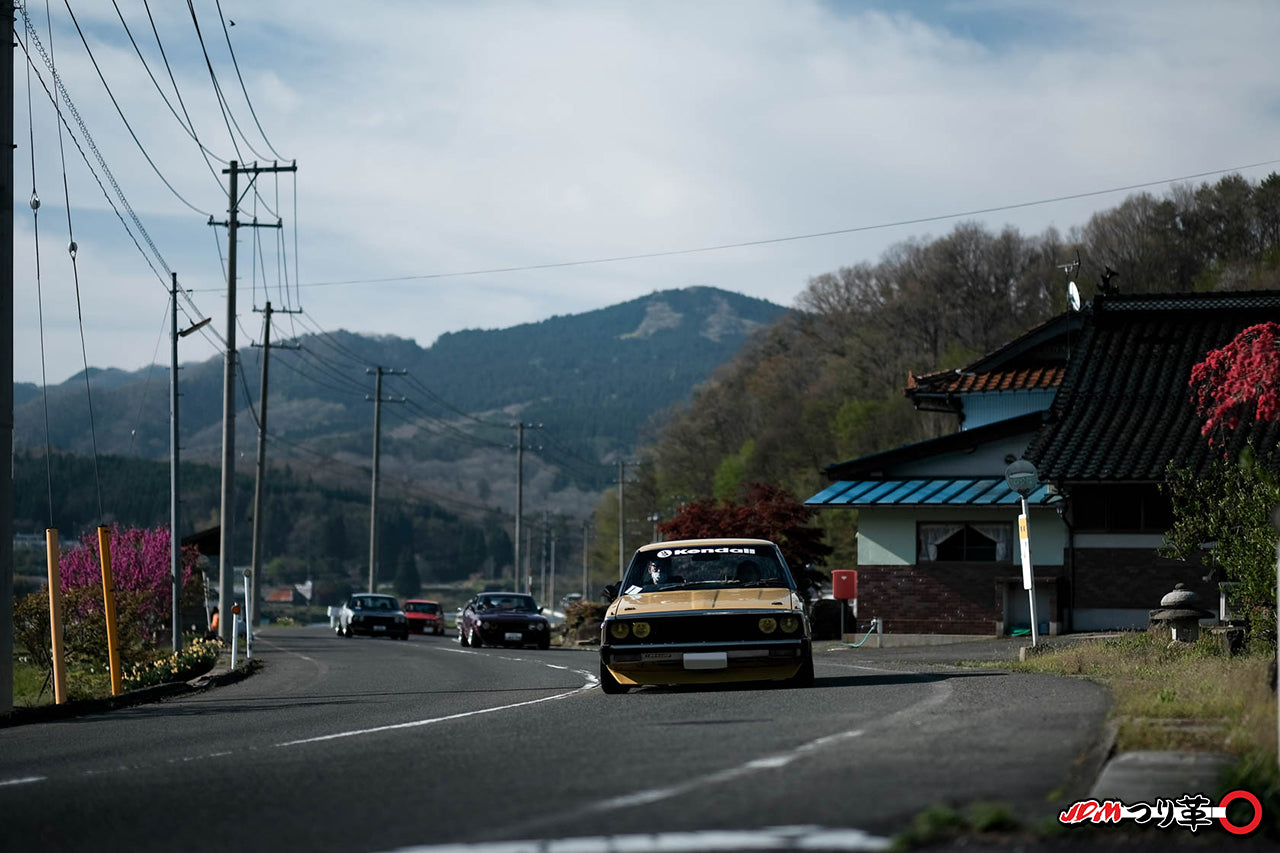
pixel 1028 572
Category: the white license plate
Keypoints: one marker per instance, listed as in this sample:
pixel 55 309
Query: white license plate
pixel 706 660
pixel 512 637
pixel 379 627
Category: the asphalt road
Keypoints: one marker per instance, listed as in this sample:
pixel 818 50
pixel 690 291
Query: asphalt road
pixel 381 745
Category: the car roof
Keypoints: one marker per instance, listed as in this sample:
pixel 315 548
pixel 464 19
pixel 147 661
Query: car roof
pixel 420 601
pixel 705 543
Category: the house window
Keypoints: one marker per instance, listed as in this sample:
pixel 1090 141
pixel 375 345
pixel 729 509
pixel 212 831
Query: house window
pixel 1121 508
pixel 971 542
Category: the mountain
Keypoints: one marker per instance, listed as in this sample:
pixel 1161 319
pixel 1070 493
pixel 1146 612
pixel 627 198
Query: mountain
pixel 587 384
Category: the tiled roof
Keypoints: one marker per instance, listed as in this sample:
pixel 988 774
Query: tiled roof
pixel 956 381
pixel 1124 411
pixel 1035 360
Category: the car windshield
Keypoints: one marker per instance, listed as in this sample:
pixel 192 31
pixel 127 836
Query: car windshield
pixel 372 602
pixel 706 567
pixel 516 603
pixel 421 607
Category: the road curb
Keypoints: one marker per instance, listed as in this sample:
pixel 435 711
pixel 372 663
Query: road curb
pixel 217 677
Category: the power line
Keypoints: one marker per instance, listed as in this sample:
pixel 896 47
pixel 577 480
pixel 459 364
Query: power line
pixel 120 112
pixel 923 220
pixel 226 33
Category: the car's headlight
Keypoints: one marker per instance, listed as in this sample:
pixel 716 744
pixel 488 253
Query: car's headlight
pixel 619 630
pixel 789 624
pixel 640 629
pixel 537 626
pixel 768 625
pixel 400 618
pixel 484 623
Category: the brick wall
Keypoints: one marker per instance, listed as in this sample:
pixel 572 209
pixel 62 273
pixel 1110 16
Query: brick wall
pixel 965 598
pixel 1134 577
pixel 944 598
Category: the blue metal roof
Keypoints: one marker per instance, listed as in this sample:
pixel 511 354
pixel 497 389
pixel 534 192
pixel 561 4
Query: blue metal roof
pixel 938 491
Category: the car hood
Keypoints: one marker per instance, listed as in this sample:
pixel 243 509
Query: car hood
pixel 697 600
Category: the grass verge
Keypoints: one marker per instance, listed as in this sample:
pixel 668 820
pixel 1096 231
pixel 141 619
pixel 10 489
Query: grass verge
pixel 1183 698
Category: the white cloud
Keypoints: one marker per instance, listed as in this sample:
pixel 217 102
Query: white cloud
pixel 453 137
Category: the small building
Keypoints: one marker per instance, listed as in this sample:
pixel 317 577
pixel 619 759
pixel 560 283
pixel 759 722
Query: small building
pixel 1098 400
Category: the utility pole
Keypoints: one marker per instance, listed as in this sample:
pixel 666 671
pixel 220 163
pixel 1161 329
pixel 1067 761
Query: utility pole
pixel 255 579
pixel 622 521
pixel 378 373
pixel 175 541
pixel 551 596
pixel 520 428
pixel 6 363
pixel 586 546
pixel 542 587
pixel 227 520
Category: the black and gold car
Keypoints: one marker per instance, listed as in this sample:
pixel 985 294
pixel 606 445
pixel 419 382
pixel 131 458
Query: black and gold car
pixel 705 611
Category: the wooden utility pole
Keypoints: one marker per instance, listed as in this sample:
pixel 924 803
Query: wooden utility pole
pixel 378 373
pixel 520 428
pixel 227 514
pixel 255 579
pixel 175 493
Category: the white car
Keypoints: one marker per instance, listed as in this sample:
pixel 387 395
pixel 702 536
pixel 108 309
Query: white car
pixel 373 615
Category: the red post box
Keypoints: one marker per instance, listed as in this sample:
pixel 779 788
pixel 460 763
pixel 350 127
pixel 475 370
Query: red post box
pixel 844 584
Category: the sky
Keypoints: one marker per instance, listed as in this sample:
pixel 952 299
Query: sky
pixel 478 165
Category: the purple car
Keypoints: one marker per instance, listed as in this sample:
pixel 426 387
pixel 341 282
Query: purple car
pixel 503 619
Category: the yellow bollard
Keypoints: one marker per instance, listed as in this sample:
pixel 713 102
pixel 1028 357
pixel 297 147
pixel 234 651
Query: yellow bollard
pixel 55 616
pixel 109 604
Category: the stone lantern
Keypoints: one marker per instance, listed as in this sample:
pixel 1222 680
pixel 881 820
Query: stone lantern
pixel 1180 611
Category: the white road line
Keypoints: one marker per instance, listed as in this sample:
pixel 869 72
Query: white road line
pixel 25 780
pixel 770 838
pixel 753 766
pixel 415 724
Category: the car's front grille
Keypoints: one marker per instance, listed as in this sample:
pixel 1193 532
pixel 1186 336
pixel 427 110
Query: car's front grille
pixel 702 628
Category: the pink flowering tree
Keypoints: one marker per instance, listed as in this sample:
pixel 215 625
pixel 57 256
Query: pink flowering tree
pixel 1239 382
pixel 141 574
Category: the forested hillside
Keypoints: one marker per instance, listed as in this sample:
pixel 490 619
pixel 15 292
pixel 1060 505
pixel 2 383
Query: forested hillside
pixel 824 384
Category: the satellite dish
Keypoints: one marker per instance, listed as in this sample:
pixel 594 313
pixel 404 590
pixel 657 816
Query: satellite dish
pixel 1073 295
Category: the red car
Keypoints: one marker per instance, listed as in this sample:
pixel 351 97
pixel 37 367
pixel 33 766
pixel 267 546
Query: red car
pixel 424 616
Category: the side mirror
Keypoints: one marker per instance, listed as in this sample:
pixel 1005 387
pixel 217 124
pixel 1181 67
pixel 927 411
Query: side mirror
pixel 610 592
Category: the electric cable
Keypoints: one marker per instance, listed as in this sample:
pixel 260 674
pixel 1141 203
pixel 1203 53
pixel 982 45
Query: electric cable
pixel 35 225
pixel 923 220
pixel 124 202
pixel 120 112
pixel 75 272
pixel 186 125
pixel 227 34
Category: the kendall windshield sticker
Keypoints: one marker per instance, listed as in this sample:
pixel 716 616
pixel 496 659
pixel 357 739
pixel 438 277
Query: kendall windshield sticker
pixel 680 552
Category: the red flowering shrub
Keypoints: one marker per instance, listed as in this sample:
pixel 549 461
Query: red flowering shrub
pixel 1239 382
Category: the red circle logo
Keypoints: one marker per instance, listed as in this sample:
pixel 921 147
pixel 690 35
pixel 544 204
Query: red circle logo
pixel 1257 812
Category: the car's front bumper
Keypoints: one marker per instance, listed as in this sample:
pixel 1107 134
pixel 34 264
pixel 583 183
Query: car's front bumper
pixel 704 663
pixel 519 635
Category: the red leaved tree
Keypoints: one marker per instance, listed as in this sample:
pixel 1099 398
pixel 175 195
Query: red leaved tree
pixel 766 511
pixel 1239 382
